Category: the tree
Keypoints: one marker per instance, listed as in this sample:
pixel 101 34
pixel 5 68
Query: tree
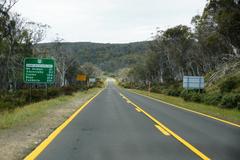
pixel 17 38
pixel 64 61
pixel 91 70
pixel 180 50
pixel 226 14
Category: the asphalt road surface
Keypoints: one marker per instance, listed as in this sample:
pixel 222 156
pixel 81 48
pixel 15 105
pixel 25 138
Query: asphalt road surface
pixel 119 125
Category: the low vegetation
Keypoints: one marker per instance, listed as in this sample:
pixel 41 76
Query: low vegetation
pixel 224 94
pixel 17 99
pixel 27 114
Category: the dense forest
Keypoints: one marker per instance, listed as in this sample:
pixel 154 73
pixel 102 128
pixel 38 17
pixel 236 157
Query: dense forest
pixel 108 57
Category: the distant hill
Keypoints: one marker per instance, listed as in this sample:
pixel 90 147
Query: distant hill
pixel 108 57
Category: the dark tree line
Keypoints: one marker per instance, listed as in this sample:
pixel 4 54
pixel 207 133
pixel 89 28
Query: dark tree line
pixel 108 57
pixel 213 41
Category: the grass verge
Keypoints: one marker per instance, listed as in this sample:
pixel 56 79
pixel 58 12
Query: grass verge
pixel 232 115
pixel 30 113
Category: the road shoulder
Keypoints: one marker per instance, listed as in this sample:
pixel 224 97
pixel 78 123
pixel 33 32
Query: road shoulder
pixel 17 141
pixel 231 117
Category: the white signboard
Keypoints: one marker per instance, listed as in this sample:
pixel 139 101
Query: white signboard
pixel 193 82
pixel 92 80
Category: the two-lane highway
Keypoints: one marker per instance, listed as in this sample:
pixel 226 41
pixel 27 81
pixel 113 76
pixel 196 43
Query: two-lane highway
pixel 119 125
pixel 215 139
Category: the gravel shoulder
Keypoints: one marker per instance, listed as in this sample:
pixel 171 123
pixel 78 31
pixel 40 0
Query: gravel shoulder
pixel 18 141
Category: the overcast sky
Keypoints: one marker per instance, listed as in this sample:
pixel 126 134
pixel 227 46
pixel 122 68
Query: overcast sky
pixel 108 21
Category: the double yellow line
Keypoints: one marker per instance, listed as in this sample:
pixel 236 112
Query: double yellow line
pixel 166 131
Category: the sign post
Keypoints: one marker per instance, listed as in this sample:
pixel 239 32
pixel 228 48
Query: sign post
pixel 193 82
pixel 82 78
pixel 92 80
pixel 39 71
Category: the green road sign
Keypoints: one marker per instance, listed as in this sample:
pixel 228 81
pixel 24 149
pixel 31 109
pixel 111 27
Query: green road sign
pixel 38 70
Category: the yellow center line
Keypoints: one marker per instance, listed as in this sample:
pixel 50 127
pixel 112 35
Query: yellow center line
pixel 177 137
pixel 36 152
pixel 138 110
pixel 128 101
pixel 162 130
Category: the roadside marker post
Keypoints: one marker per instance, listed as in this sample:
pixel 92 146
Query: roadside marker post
pixel 46 91
pixel 30 99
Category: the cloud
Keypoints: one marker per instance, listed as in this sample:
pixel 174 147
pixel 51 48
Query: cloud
pixel 108 20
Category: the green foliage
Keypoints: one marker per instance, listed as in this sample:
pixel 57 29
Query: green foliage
pixel 32 112
pixel 10 101
pixel 156 89
pixel 68 90
pixel 108 57
pixel 17 37
pixel 231 101
pixel 54 92
pixel 174 90
pixel 5 105
pixel 229 84
pixel 191 95
pixel 180 51
pixel 227 16
pixel 196 97
pixel 127 85
pixel 212 98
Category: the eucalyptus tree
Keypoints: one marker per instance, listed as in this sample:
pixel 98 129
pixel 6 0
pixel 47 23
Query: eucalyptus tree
pixel 65 59
pixel 17 38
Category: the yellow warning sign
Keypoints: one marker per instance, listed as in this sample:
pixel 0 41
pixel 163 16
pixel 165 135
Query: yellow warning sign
pixel 81 77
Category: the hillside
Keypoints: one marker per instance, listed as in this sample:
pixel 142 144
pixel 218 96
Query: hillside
pixel 108 57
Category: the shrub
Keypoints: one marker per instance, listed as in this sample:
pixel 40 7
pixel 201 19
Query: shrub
pixel 22 97
pixel 128 85
pixel 38 95
pixel 5 105
pixel 68 90
pixel 196 97
pixel 99 84
pixel 174 91
pixel 21 101
pixel 185 95
pixel 229 84
pixel 156 89
pixel 231 101
pixel 212 99
pixel 191 95
pixel 54 92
